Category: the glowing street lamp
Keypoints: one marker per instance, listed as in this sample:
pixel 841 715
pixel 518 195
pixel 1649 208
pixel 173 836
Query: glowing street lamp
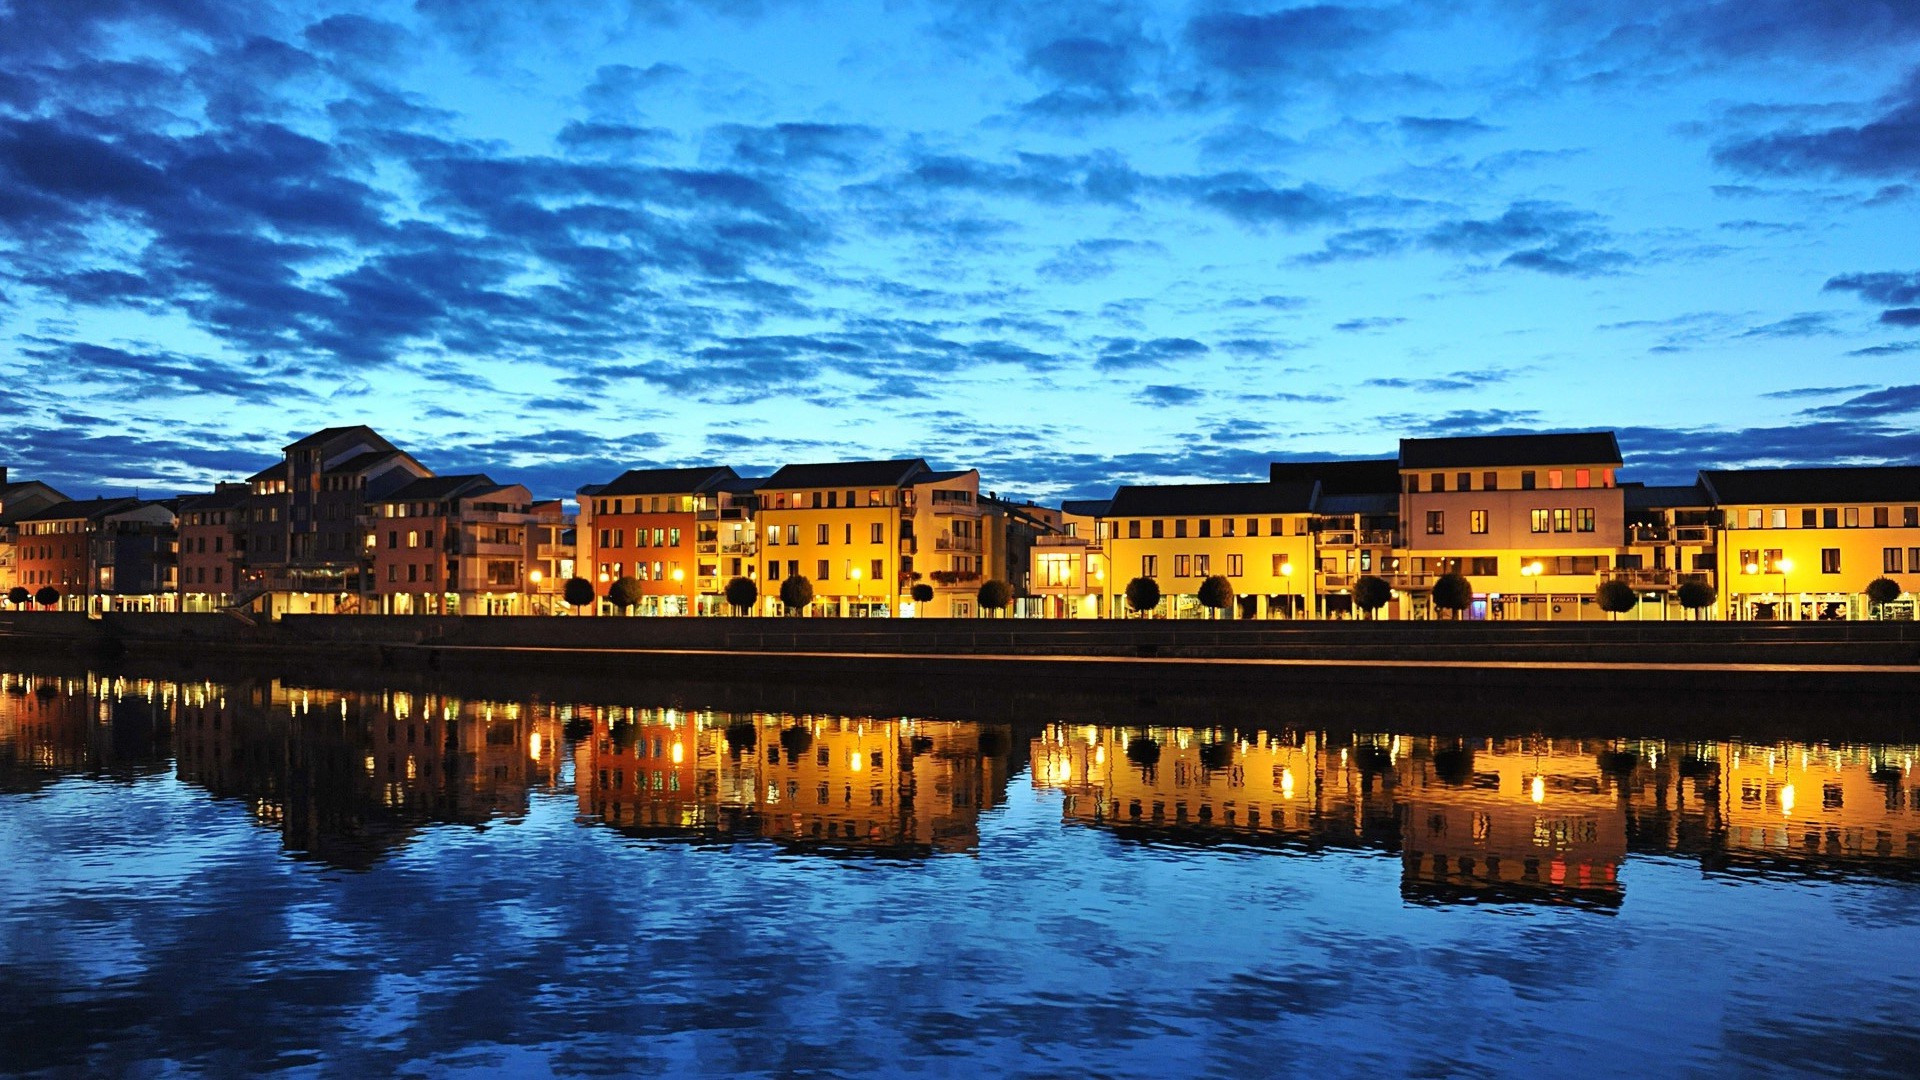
pixel 679 576
pixel 1286 576
pixel 858 593
pixel 1783 565
pixel 1534 570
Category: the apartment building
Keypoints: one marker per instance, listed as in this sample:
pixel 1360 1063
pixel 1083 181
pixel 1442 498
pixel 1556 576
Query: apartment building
pixel 210 559
pixel 1259 536
pixel 550 557
pixel 1804 543
pixel 648 524
pixel 100 554
pixel 1068 574
pixel 452 545
pixel 18 499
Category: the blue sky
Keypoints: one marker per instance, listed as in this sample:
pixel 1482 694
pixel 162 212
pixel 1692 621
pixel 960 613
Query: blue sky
pixel 1071 243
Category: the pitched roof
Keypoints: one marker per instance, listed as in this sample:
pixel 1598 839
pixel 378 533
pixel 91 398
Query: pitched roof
pixel 275 471
pixel 1862 484
pixel 216 500
pixel 1478 451
pixel 358 462
pixel 1169 499
pixel 688 481
pixel 1365 476
pixel 743 485
pixel 326 435
pixel 83 508
pixel 937 477
pixel 847 474
pixel 1376 503
pixel 1086 507
pixel 440 487
pixel 1641 497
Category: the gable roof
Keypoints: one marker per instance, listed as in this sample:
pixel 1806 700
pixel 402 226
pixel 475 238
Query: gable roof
pixel 847 474
pixel 1164 500
pixel 1086 507
pixel 87 509
pixel 440 487
pixel 1641 497
pixel 1480 451
pixel 360 462
pixel 689 481
pixel 1858 484
pixel 1359 476
pixel 327 435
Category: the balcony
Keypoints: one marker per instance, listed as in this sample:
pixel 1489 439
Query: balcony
pixel 1337 581
pixel 706 547
pixel 1061 540
pixel 737 547
pixel 1669 534
pixel 731 513
pixel 1357 538
pixel 490 547
pixel 956 543
pixel 1657 578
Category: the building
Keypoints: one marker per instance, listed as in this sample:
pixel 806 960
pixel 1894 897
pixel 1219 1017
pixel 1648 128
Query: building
pixel 1068 578
pixel 1356 528
pixel 18 499
pixel 100 554
pixel 1259 536
pixel 452 545
pixel 209 557
pixel 662 528
pixel 1804 543
pixel 550 557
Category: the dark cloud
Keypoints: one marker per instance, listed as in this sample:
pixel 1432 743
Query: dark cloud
pixel 1169 395
pixel 1889 349
pixel 793 146
pixel 1813 392
pixel 1886 146
pixel 1125 353
pixel 1548 237
pixel 1430 129
pixel 1087 76
pixel 1452 382
pixel 1891 288
pixel 1805 324
pixel 1371 322
pixel 1090 260
pixel 1908 316
pixel 1263 54
pixel 1890 401
pixel 618 89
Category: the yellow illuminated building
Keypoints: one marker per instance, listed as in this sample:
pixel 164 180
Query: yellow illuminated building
pixel 1257 536
pixel 1803 543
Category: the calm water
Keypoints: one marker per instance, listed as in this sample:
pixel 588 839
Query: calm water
pixel 230 879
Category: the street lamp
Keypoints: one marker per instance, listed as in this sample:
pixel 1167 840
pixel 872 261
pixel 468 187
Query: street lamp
pixel 680 575
pixel 1534 570
pixel 1783 565
pixel 858 596
pixel 1286 576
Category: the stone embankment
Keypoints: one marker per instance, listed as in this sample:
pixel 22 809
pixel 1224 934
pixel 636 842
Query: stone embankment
pixel 1877 658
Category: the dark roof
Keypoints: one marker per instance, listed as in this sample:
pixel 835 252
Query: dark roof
pixel 743 485
pixel 1863 484
pixel 1641 497
pixel 326 435
pixel 1170 499
pixel 1086 507
pixel 1477 451
pixel 439 487
pixel 938 477
pixel 275 471
pixel 83 508
pixel 217 500
pixel 846 474
pixel 1369 476
pixel 360 462
pixel 1375 503
pixel 668 481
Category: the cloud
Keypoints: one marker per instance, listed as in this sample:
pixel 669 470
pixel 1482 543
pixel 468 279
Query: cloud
pixel 1547 237
pixel 1812 392
pixel 1453 382
pixel 1371 322
pixel 1123 354
pixel 1169 395
pixel 1886 146
pixel 1266 54
pixel 1805 324
pixel 1909 316
pixel 1090 260
pixel 1433 129
pixel 1892 288
pixel 1890 401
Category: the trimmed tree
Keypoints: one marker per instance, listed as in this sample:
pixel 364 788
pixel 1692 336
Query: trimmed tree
pixel 1215 594
pixel 47 596
pixel 577 592
pixel 1371 593
pixel 1695 596
pixel 994 595
pixel 1143 595
pixel 922 593
pixel 19 594
pixel 796 593
pixel 742 594
pixel 625 594
pixel 1452 593
pixel 1882 591
pixel 1616 597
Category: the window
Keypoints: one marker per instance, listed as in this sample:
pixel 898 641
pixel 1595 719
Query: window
pixel 1183 566
pixel 1281 565
pixel 1753 519
pixel 1206 527
pixel 1273 528
pixel 1556 479
pixel 1226 526
pixel 1830 518
pixel 1562 520
pixel 1439 481
pixel 793 535
pixel 1235 565
pixel 1463 482
pixel 1149 566
pixel 1583 478
pixel 1133 530
pixel 1879 517
pixel 1484 566
pixel 877 533
pixel 1436 522
pixel 1542 521
pixel 1477 523
pixel 1913 560
pixel 1853 517
pixel 1829 560
pixel 1490 481
pixel 773 536
pixel 1180 528
pixel 1253 526
pixel 1413 484
pixel 1202 565
pixel 773 570
pixel 393 538
pixel 1526 480
pixel 821 534
pixel 673 537
pixel 1809 519
pixel 823 567
pixel 1159 528
pixel 1583 519
pixel 878 569
pixel 1890 561
pixel 1910 517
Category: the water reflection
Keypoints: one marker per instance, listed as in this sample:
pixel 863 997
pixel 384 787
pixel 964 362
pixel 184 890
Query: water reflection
pixel 349 776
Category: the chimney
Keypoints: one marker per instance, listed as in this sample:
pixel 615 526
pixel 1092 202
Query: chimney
pixel 3 475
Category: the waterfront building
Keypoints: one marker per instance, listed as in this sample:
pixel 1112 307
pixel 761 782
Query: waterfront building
pixel 1672 538
pixel 1804 543
pixel 550 557
pixel 209 558
pixel 1259 536
pixel 1068 575
pixel 1356 529
pixel 452 545
pixel 662 527
pixel 866 532
pixel 100 554
pixel 17 499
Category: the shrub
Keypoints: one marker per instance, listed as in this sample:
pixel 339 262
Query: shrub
pixel 19 594
pixel 1143 595
pixel 796 593
pixel 578 592
pixel 994 595
pixel 923 593
pixel 1215 594
pixel 625 593
pixel 1453 593
pixel 1371 593
pixel 47 596
pixel 1695 596
pixel 1882 591
pixel 742 593
pixel 1616 597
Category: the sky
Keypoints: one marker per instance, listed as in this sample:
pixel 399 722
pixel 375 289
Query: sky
pixel 1072 243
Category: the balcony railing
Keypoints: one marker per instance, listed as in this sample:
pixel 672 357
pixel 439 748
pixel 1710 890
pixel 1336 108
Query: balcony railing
pixel 956 543
pixel 731 513
pixel 1669 534
pixel 1357 538
pixel 707 547
pixel 737 547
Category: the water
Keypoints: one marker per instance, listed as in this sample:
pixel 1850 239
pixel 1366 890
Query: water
pixel 207 878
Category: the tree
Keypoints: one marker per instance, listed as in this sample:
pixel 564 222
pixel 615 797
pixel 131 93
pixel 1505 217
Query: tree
pixel 578 592
pixel 796 593
pixel 47 596
pixel 1216 594
pixel 742 593
pixel 994 595
pixel 625 593
pixel 1143 595
pixel 1695 596
pixel 19 594
pixel 1616 597
pixel 1452 593
pixel 1882 591
pixel 923 593
pixel 1371 593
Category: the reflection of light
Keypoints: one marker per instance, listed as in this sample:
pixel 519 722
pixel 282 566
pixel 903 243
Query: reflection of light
pixel 1062 770
pixel 1100 755
pixel 533 745
pixel 1286 783
pixel 854 762
pixel 679 753
pixel 1539 792
pixel 1786 800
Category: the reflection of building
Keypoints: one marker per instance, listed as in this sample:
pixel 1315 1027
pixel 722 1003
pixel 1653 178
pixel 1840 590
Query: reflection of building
pixel 1822 806
pixel 51 726
pixel 1244 786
